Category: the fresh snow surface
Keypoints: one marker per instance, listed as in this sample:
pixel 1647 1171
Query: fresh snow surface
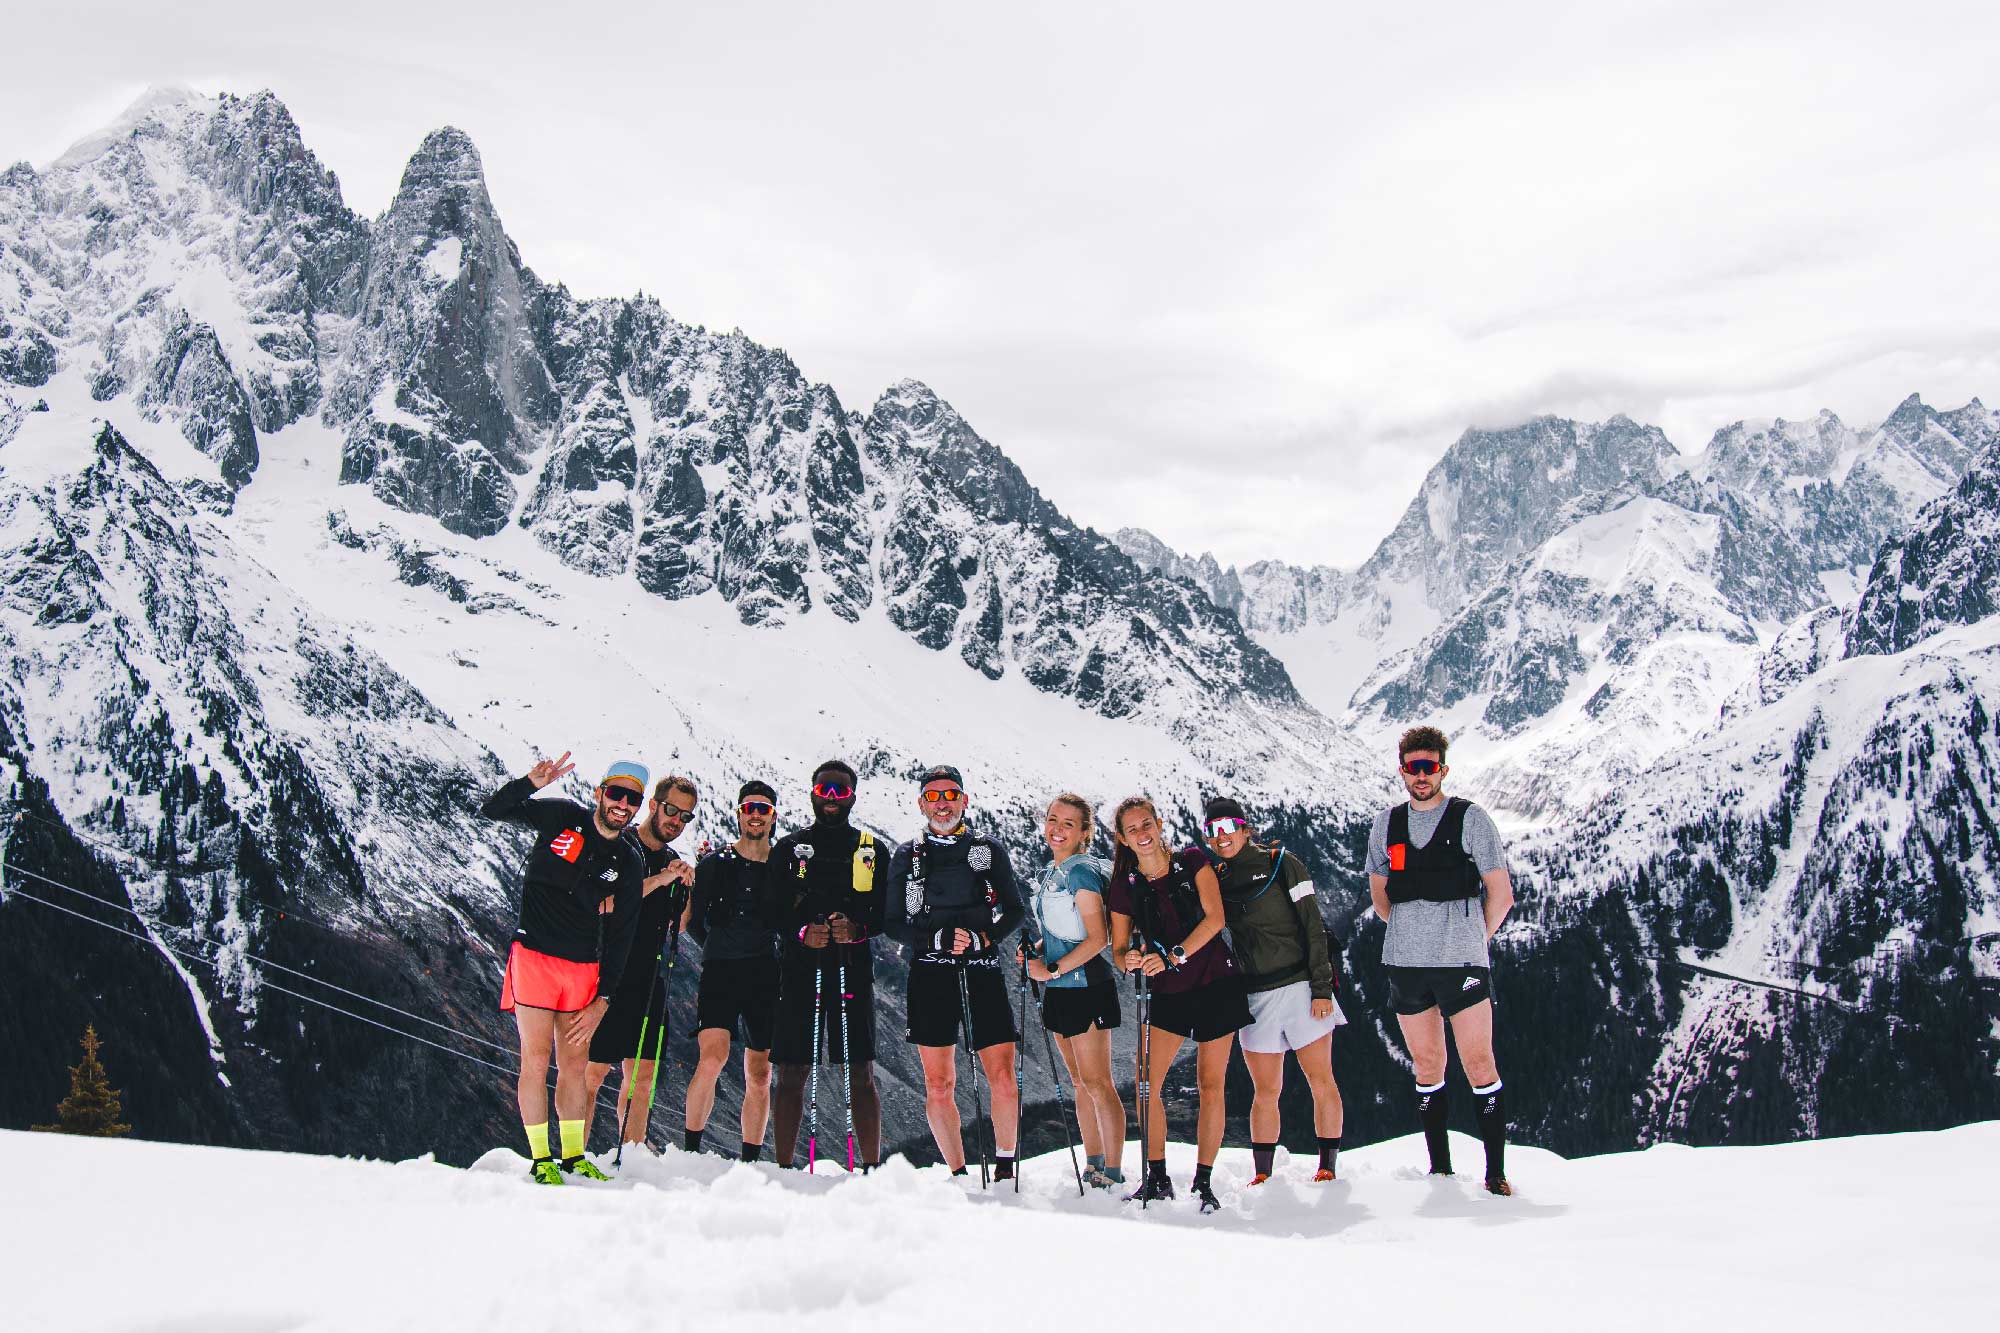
pixel 1881 1232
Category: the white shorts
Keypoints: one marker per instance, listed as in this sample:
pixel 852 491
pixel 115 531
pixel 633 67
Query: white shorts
pixel 1281 1020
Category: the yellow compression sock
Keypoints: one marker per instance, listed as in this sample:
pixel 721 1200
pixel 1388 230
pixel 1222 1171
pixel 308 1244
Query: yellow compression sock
pixel 572 1138
pixel 538 1139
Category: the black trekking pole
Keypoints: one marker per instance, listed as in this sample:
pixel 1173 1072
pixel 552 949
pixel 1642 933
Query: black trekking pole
pixel 1062 1098
pixel 978 1083
pixel 663 966
pixel 1143 1081
pixel 1021 1031
pixel 846 1055
pixel 812 1096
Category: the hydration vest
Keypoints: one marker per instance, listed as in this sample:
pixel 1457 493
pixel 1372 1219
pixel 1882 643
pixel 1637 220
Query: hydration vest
pixel 978 859
pixel 1181 890
pixel 1440 871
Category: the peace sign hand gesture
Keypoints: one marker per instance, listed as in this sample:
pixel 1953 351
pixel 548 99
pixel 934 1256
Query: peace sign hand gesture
pixel 546 771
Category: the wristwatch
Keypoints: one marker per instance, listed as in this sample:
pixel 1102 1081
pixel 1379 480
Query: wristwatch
pixel 1178 954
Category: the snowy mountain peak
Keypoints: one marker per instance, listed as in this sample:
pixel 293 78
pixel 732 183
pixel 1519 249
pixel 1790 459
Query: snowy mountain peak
pixel 1941 573
pixel 166 104
pixel 448 160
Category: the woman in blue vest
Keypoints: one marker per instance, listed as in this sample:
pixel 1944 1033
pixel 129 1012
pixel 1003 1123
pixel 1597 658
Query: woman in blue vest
pixel 1079 989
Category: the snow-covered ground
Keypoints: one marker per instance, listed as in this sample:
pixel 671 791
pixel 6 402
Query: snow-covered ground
pixel 1890 1231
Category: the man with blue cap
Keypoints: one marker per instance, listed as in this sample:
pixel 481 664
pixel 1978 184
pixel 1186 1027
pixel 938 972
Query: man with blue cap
pixel 580 893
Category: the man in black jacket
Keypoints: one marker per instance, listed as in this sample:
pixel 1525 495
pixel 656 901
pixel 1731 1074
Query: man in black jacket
pixel 579 897
pixel 827 883
pixel 952 899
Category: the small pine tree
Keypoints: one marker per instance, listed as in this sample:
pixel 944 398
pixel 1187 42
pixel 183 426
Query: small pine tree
pixel 92 1106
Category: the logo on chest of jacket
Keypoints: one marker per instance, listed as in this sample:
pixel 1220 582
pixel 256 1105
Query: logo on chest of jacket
pixel 609 876
pixel 568 845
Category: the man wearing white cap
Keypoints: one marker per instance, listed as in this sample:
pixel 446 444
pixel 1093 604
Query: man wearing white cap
pixel 579 896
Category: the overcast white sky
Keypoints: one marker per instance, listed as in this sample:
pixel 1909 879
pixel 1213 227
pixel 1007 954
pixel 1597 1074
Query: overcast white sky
pixel 1235 273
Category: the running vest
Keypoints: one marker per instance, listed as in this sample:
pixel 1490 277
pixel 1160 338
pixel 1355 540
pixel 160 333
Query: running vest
pixel 978 860
pixel 1181 890
pixel 1440 871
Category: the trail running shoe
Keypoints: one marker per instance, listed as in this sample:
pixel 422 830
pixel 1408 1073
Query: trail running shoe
pixel 1151 1191
pixel 1260 1177
pixel 1003 1169
pixel 1498 1185
pixel 582 1166
pixel 1324 1173
pixel 544 1171
pixel 1098 1180
pixel 1209 1203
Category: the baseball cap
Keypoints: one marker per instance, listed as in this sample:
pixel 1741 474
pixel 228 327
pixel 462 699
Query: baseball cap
pixel 625 771
pixel 940 773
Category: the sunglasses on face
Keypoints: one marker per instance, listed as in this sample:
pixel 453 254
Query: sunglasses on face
pixel 672 811
pixel 757 808
pixel 1222 827
pixel 623 796
pixel 1421 768
pixel 832 791
pixel 943 795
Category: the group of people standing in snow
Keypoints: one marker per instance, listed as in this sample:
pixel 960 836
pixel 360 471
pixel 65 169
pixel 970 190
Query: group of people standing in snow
pixel 1223 940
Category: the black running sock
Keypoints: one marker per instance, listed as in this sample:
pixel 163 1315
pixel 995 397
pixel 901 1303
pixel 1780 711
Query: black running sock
pixel 1003 1168
pixel 751 1152
pixel 1156 1170
pixel 1201 1175
pixel 960 1171
pixel 1329 1150
pixel 1490 1107
pixel 691 1140
pixel 1262 1155
pixel 1431 1111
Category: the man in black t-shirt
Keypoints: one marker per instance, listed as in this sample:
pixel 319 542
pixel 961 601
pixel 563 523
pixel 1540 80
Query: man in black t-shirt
pixel 731 916
pixel 579 898
pixel 634 1029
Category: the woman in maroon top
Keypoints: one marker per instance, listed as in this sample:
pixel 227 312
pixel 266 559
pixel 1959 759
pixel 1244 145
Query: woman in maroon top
pixel 1166 922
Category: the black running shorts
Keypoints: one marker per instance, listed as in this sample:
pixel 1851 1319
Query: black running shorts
pixel 740 996
pixel 1071 1011
pixel 936 1012
pixel 800 979
pixel 1216 1010
pixel 618 1035
pixel 1416 990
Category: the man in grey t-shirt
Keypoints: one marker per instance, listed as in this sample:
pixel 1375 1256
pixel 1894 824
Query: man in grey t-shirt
pixel 1438 876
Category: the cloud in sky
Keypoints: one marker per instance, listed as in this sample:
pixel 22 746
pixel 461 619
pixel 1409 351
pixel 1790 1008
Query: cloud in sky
pixel 1239 280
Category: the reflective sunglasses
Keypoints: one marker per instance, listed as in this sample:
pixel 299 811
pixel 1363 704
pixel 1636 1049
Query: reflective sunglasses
pixel 832 791
pixel 1219 827
pixel 940 797
pixel 1421 768
pixel 672 811
pixel 622 795
pixel 758 808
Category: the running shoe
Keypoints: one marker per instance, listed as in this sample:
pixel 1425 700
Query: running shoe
pixel 582 1166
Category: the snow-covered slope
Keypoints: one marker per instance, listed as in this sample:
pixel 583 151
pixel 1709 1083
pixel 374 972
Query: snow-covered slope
pixel 1858 1233
pixel 312 527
